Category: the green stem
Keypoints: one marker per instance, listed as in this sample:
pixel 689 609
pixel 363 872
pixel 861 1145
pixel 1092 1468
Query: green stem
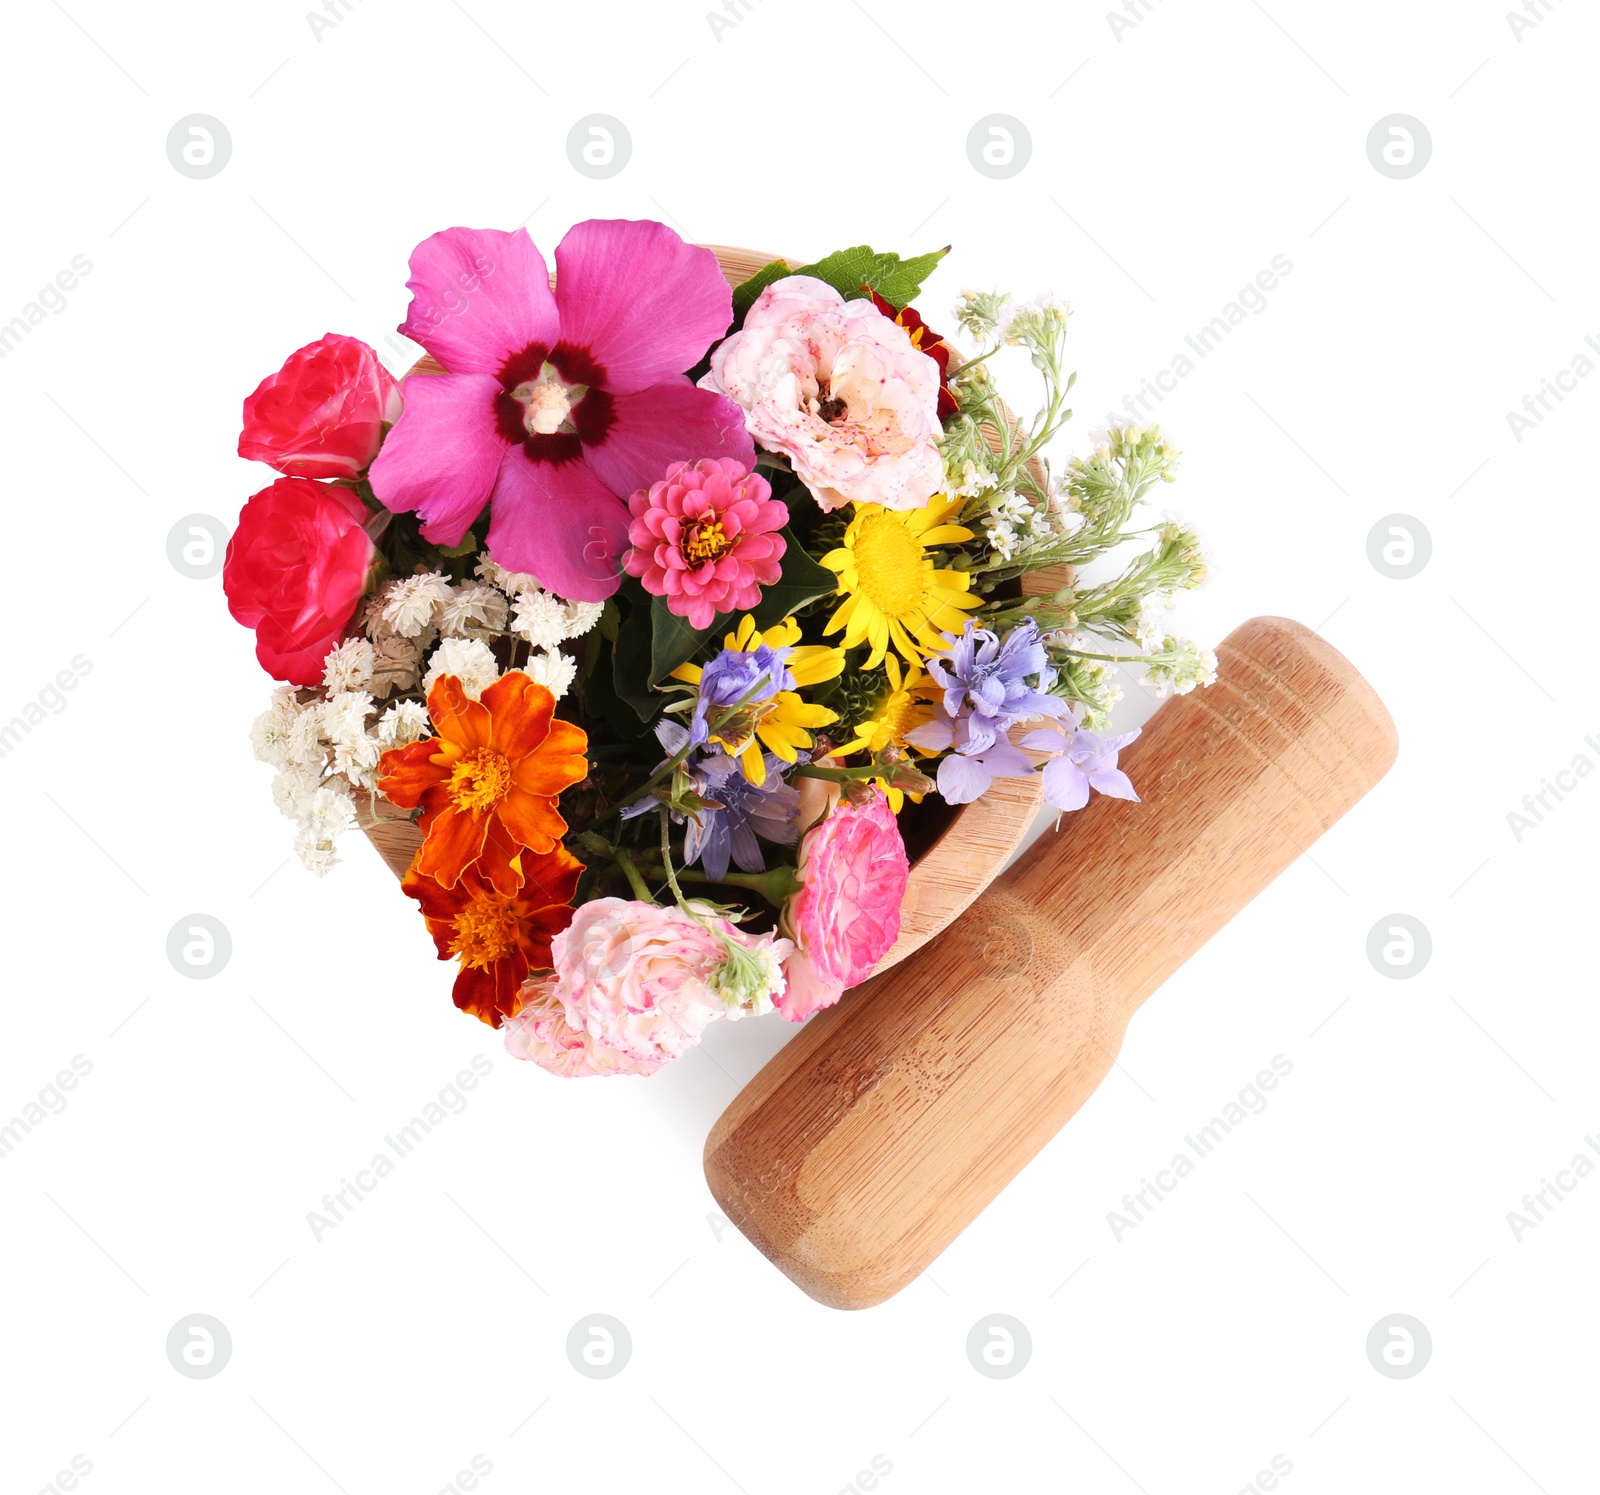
pixel 775 886
pixel 640 888
pixel 666 856
pixel 837 775
pixel 1119 658
pixel 675 761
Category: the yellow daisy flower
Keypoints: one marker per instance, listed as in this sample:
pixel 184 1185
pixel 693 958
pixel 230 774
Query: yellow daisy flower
pixel 782 724
pixel 901 709
pixel 895 593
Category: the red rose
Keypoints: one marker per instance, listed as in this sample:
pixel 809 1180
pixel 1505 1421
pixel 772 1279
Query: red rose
pixel 296 567
pixel 322 414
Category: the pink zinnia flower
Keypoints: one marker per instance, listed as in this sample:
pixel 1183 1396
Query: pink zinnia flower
pixel 847 915
pixel 555 404
pixel 703 538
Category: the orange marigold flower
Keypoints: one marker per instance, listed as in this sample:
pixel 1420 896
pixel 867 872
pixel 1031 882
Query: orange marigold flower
pixel 497 938
pixel 488 783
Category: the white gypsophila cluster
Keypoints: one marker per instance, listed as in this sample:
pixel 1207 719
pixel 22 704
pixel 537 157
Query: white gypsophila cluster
pixel 348 666
pixel 411 605
pixel 292 787
pixel 395 666
pixel 355 750
pixel 582 616
pixel 326 814
pixel 546 620
pixel 470 660
pixel 306 744
pixel 322 749
pixel 551 669
pixel 396 657
pixel 509 582
pixel 403 723
pixel 412 630
pixel 272 733
pixel 473 610
pixel 292 736
pixel 540 618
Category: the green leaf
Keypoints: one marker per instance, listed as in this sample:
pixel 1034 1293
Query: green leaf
pixel 893 278
pixel 801 581
pixel 468 544
pixel 745 293
pixel 630 669
pixel 598 692
pixel 673 641
pixel 898 281
pixel 654 641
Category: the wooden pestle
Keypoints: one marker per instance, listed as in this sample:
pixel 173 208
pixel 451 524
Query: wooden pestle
pixel 882 1130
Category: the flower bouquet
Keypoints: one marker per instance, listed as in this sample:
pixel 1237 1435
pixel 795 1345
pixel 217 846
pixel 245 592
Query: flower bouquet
pixel 671 618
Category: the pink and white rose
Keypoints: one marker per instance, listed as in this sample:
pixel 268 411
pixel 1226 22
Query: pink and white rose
pixel 840 389
pixel 638 978
pixel 540 1033
pixel 847 914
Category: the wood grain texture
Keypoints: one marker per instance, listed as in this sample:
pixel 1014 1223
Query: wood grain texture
pixel 391 830
pixel 875 1137
pixel 944 880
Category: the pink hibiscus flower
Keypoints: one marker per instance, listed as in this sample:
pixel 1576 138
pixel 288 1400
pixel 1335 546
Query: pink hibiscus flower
pixel 555 405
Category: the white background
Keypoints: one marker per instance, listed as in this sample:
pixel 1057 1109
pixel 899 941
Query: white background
pixel 1168 167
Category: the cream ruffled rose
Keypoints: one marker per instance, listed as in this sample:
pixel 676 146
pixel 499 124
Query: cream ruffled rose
pixel 839 388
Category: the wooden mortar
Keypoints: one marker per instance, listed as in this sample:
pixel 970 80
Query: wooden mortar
pixel 879 1133
pixel 979 839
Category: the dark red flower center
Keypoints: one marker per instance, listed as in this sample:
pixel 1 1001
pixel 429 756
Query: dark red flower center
pixel 552 402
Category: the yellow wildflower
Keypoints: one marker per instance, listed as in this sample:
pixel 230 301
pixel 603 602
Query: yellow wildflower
pixel 896 595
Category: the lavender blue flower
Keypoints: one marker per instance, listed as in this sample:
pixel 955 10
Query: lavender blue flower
pixel 770 811
pixel 992 683
pixel 989 685
pixel 737 811
pixel 963 775
pixel 1083 761
pixel 738 677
